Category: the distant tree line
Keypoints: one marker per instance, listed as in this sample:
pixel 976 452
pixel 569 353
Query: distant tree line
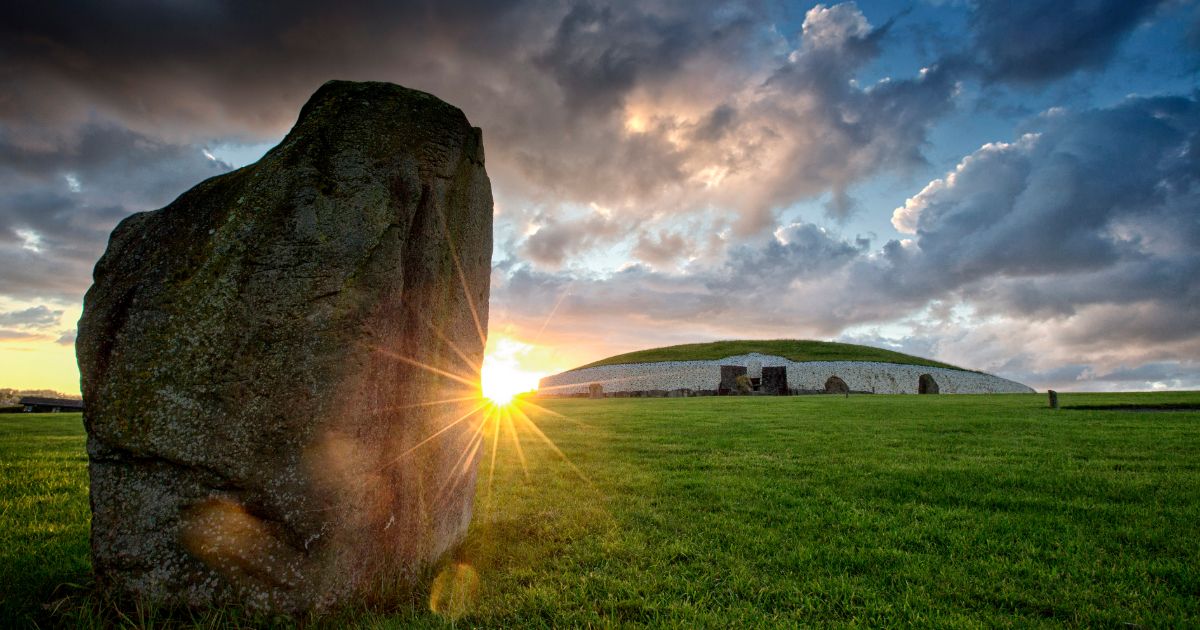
pixel 10 397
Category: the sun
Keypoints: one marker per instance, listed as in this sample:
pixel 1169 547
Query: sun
pixel 501 380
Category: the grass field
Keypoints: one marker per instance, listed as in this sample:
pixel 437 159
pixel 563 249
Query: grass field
pixel 951 511
pixel 794 349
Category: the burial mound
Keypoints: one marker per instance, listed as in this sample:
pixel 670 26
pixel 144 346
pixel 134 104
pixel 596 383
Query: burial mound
pixel 775 367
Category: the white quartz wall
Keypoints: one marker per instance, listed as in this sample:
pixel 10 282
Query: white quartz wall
pixel 864 376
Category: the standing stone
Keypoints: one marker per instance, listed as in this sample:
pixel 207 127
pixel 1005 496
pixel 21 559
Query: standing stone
pixel 774 380
pixel 835 385
pixel 595 390
pixel 729 374
pixel 262 360
pixel 1053 398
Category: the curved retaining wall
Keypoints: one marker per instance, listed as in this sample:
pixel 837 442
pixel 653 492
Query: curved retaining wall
pixel 860 376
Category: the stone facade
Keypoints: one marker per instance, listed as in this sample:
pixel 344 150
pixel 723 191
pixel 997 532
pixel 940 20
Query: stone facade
pixel 808 376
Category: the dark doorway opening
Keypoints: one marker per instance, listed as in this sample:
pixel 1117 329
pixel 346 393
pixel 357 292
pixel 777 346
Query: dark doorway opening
pixel 926 385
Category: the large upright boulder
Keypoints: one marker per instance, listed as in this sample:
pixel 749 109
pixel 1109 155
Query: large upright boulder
pixel 278 364
pixel 728 383
pixel 774 380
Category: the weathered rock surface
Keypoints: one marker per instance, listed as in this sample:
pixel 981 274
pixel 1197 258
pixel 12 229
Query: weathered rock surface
pixel 728 383
pixel 835 385
pixel 259 420
pixel 774 380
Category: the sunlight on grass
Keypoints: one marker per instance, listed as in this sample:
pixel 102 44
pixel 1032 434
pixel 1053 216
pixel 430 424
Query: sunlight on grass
pixel 945 511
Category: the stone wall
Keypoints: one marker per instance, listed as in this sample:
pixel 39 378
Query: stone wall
pixel 860 376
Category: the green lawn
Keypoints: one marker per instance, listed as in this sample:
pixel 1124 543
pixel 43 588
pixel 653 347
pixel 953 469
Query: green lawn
pixel 44 514
pixel 794 349
pixel 869 511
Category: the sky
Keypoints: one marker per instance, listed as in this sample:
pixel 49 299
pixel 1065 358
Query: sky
pixel 1010 186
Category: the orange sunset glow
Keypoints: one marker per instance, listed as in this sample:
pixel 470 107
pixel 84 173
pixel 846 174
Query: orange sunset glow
pixel 510 368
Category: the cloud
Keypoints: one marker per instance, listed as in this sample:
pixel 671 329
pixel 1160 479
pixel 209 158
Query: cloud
pixel 1084 229
pixel 59 201
pixel 832 132
pixel 1074 244
pixel 34 317
pixel 555 240
pixel 600 52
pixel 665 139
pixel 654 110
pixel 798 251
pixel 18 335
pixel 662 249
pixel 1105 197
pixel 1030 41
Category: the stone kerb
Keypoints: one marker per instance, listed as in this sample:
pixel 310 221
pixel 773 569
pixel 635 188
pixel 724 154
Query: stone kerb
pixel 859 376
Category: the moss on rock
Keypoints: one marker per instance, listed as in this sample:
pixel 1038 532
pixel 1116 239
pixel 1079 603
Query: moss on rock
pixel 254 346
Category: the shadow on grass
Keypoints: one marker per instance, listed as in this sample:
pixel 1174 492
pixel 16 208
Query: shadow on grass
pixel 42 598
pixel 73 600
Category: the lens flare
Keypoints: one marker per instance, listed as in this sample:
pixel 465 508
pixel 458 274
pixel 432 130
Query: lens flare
pixel 454 591
pixel 501 380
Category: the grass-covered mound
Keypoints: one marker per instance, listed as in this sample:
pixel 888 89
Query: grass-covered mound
pixel 794 349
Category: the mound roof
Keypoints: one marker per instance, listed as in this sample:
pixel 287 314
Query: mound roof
pixel 799 350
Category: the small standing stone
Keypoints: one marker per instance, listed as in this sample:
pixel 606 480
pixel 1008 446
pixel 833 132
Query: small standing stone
pixel 774 380
pixel 835 385
pixel 1053 398
pixel 729 374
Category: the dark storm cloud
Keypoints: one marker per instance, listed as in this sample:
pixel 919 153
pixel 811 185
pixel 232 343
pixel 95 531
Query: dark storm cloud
pixel 547 81
pixel 1086 227
pixel 1106 198
pixel 599 52
pixel 59 201
pixel 216 66
pixel 1033 41
pixel 659 108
